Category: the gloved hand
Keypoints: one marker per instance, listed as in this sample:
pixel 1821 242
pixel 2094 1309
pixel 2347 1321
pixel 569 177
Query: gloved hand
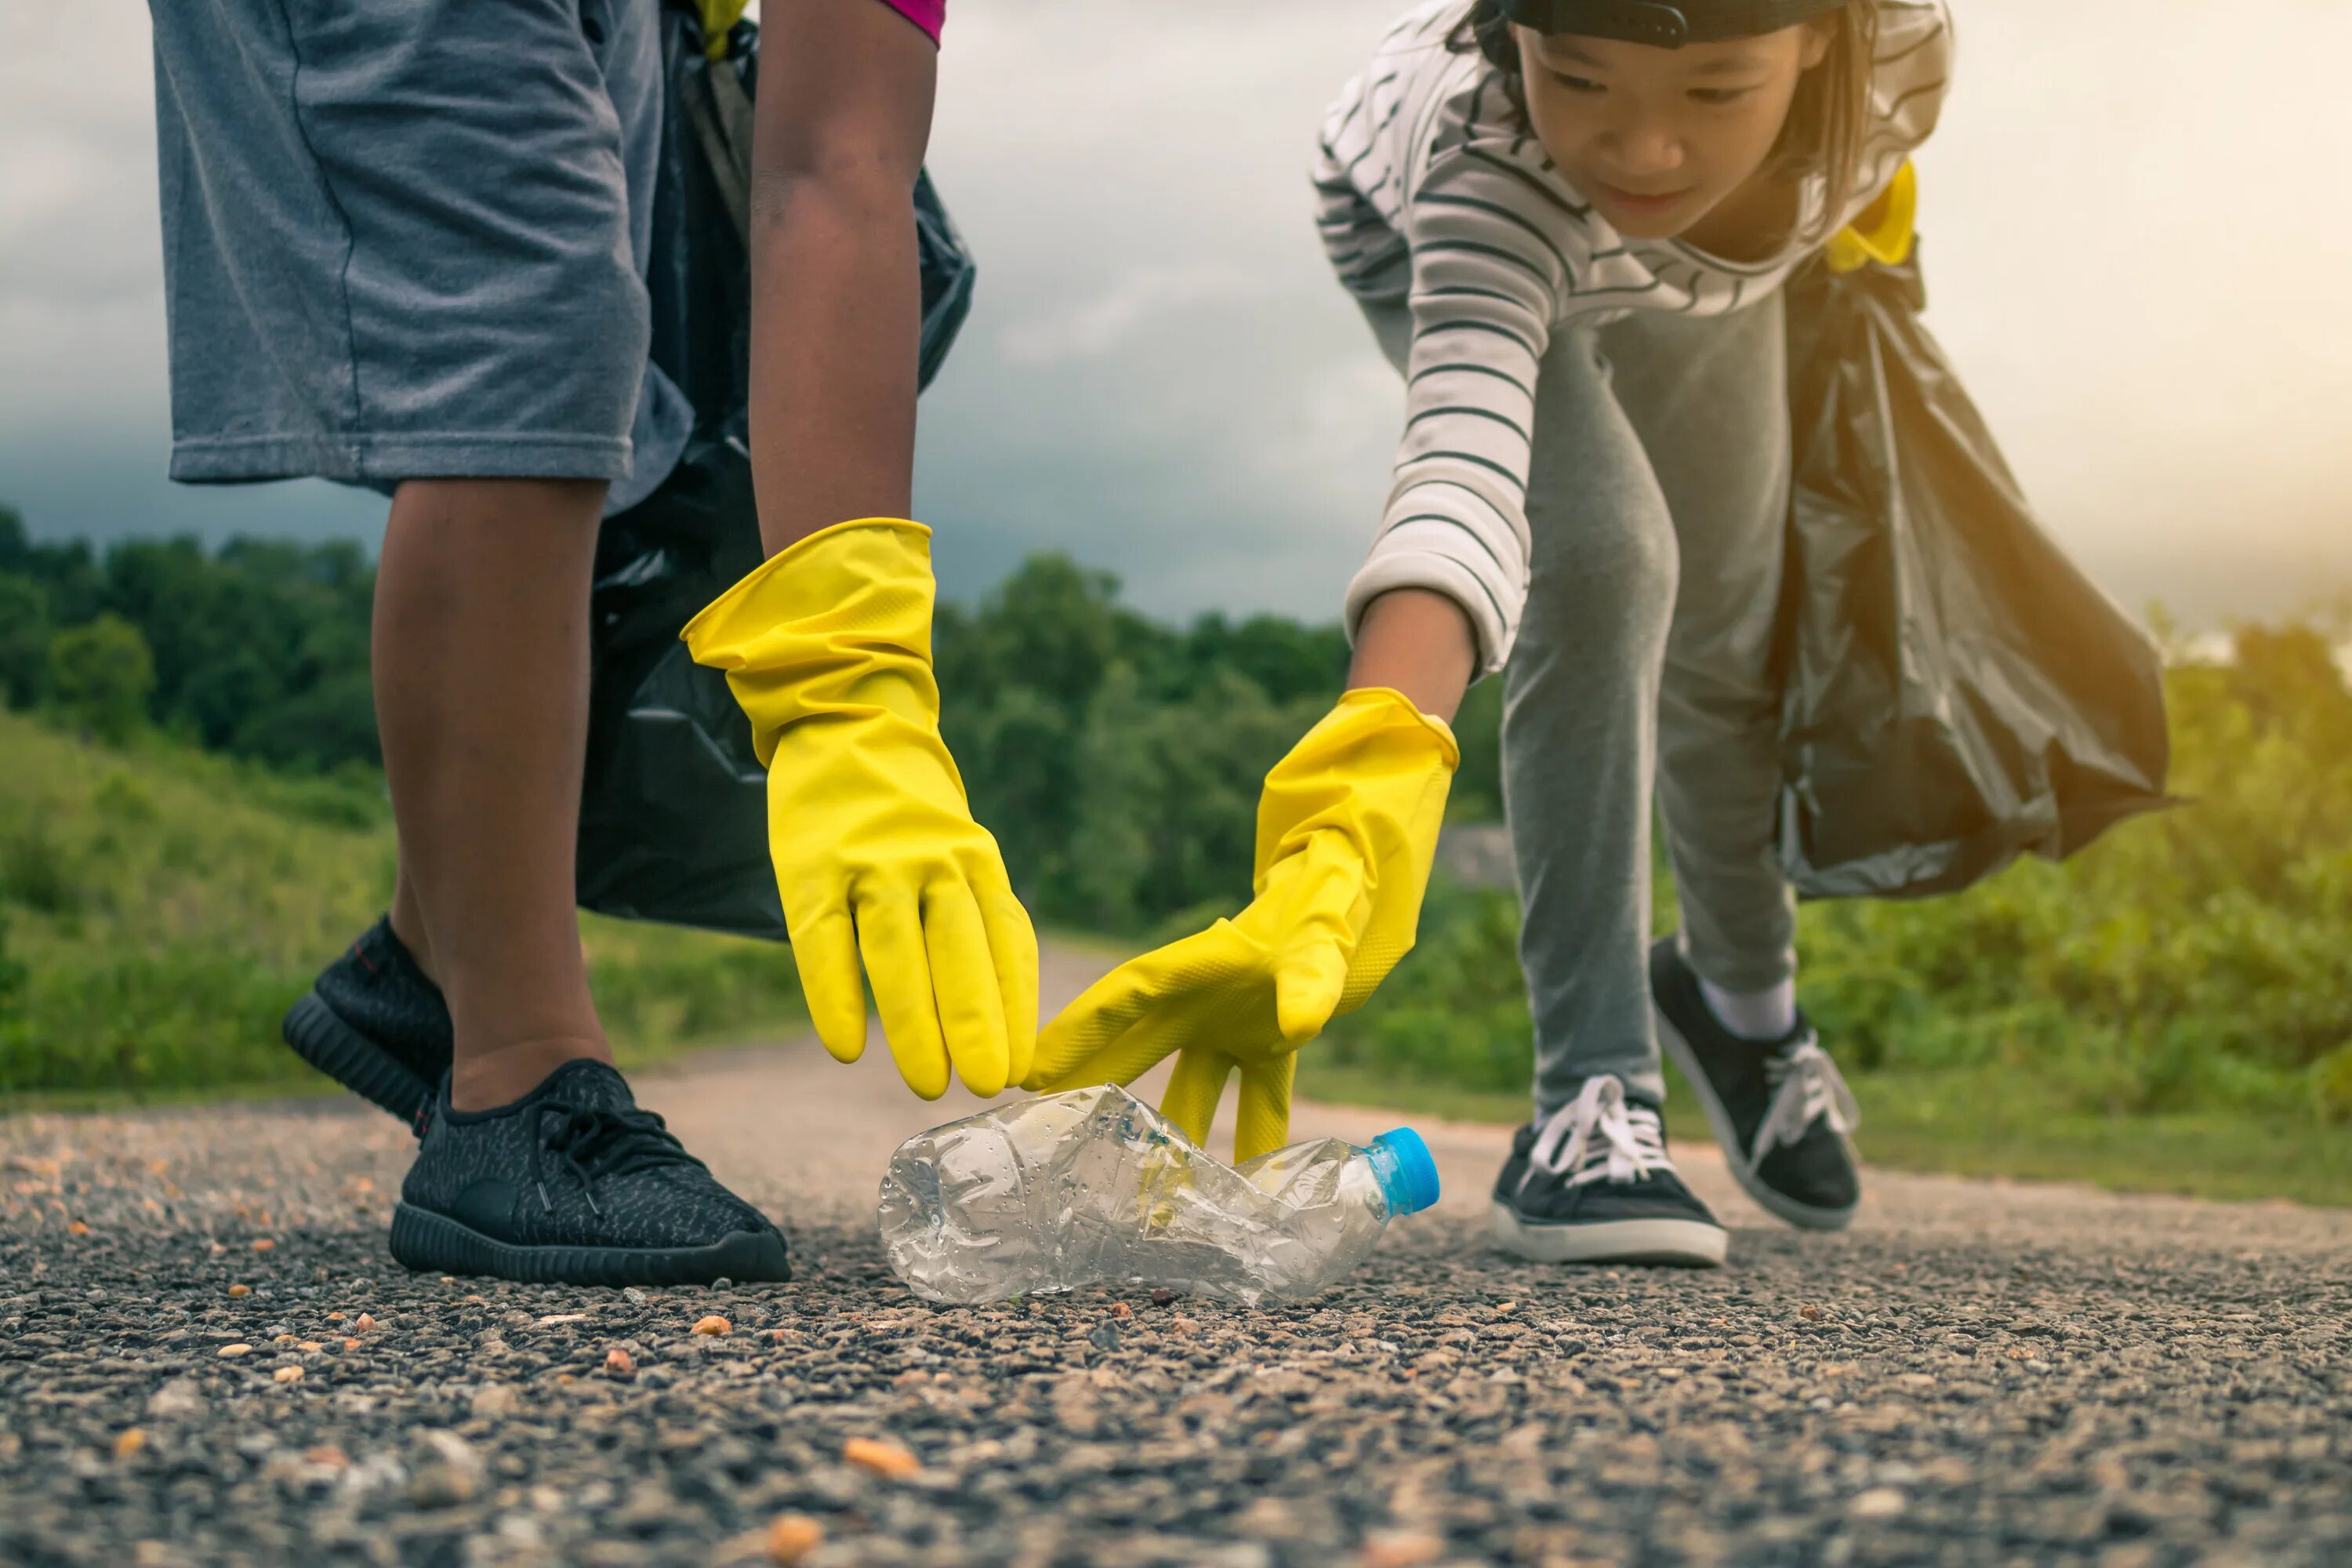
pixel 1346 832
pixel 827 648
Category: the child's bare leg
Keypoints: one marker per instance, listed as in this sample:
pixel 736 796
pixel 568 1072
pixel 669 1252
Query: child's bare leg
pixel 408 919
pixel 481 694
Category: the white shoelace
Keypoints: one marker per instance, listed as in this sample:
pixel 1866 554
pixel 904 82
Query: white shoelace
pixel 1600 1136
pixel 1806 1087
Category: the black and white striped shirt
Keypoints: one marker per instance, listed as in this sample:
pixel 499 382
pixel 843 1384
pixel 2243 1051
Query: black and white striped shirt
pixel 1432 193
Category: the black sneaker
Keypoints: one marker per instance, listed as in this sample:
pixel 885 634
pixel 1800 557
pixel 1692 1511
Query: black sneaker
pixel 1595 1184
pixel 374 1024
pixel 1778 1107
pixel 574 1184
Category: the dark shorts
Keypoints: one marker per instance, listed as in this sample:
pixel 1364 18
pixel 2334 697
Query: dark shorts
pixel 407 239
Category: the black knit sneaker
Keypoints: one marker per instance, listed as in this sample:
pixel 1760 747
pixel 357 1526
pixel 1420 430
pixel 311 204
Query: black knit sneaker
pixel 1778 1107
pixel 374 1024
pixel 572 1184
pixel 1593 1183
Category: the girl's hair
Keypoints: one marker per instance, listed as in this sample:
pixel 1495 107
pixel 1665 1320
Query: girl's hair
pixel 1827 125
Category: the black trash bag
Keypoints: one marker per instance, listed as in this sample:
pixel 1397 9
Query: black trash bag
pixel 1957 692
pixel 673 810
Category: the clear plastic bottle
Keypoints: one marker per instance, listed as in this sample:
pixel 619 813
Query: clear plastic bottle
pixel 1094 1187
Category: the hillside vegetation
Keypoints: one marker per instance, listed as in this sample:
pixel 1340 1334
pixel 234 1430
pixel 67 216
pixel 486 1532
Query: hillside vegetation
pixel 192 820
pixel 160 908
pixel 2173 1008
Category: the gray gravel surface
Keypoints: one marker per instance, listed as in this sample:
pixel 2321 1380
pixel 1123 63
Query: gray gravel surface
pixel 1974 1374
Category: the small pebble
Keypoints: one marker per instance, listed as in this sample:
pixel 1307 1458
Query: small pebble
pixel 131 1440
pixel 77 1228
pixel 792 1536
pixel 619 1366
pixel 240 1289
pixel 287 1374
pixel 1162 1295
pixel 883 1457
pixel 263 1245
pixel 234 1351
pixel 363 1324
pixel 1399 1549
pixel 1878 1502
pixel 442 1486
pixel 715 1326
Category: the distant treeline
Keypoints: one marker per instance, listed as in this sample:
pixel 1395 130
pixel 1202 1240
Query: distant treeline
pixel 259 650
pixel 1117 758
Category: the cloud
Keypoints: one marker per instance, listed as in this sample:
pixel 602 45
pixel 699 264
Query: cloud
pixel 1161 377
pixel 1138 298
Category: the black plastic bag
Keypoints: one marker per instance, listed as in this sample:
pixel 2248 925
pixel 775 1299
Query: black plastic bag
pixel 1958 693
pixel 673 811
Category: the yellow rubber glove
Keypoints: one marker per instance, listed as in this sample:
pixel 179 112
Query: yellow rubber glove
pixel 1884 231
pixel 827 648
pixel 1346 831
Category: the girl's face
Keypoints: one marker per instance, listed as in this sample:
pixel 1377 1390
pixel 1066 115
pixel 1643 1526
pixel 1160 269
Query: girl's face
pixel 1654 138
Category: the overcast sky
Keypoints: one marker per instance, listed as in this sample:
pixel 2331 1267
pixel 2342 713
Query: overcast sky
pixel 2134 258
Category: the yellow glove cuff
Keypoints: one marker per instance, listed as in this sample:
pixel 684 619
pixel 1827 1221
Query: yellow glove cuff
pixel 838 623
pixel 1384 706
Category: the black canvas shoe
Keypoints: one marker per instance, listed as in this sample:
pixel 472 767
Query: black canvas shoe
pixel 574 1184
pixel 1595 1184
pixel 374 1024
pixel 1778 1107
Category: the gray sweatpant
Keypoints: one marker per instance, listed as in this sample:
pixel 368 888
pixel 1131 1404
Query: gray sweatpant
pixel 1657 504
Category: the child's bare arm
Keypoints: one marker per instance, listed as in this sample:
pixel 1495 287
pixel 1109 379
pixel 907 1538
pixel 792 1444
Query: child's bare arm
pixel 844 116
pixel 1417 641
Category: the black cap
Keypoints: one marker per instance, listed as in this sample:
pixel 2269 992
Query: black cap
pixel 1665 27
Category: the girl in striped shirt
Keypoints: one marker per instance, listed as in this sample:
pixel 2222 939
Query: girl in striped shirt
pixel 1567 222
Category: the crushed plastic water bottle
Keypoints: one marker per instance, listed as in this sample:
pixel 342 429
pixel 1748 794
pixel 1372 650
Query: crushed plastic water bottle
pixel 1094 1187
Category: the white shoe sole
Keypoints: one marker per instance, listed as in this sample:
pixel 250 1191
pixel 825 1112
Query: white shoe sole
pixel 1681 1242
pixel 1805 1216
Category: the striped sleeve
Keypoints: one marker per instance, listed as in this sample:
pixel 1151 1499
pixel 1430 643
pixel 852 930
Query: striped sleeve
pixel 1910 79
pixel 1364 248
pixel 1495 250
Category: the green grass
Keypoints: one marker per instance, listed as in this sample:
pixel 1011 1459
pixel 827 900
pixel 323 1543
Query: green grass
pixel 1964 1122
pixel 161 907
pixel 2171 1010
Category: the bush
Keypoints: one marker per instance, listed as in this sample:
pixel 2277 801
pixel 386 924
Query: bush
pixel 2196 960
pixel 13 976
pixel 186 1015
pixel 2331 1084
pixel 36 871
pixel 100 675
pixel 25 633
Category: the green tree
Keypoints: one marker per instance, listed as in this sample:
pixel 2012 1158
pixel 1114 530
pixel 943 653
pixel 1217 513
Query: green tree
pixel 24 638
pixel 101 674
pixel 16 548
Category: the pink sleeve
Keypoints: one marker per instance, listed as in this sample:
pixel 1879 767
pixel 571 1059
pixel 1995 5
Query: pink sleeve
pixel 931 16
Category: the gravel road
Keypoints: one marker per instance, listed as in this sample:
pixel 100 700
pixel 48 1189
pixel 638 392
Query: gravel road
pixel 207 1356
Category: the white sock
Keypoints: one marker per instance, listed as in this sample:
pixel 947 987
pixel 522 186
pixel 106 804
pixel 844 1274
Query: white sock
pixel 1753 1015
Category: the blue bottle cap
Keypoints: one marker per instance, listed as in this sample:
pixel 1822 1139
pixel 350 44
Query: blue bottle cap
pixel 1407 1173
